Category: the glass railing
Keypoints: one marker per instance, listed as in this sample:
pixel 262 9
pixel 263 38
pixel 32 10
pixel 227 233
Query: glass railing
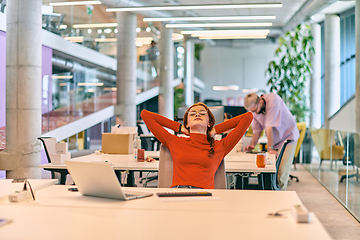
pixel 68 96
pixel 333 157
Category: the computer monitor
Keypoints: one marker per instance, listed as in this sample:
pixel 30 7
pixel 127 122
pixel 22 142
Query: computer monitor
pixel 234 110
pixel 217 111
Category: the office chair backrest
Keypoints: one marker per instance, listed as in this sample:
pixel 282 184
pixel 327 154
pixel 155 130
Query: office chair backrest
pixel 49 146
pixel 282 154
pixel 166 171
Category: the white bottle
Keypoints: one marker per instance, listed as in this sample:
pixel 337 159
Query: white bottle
pixel 137 145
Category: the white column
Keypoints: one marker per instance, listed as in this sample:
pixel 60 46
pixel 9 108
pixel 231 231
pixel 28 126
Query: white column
pixel 315 78
pixel 332 66
pixel 23 89
pixel 357 67
pixel 189 72
pixel 126 68
pixel 166 96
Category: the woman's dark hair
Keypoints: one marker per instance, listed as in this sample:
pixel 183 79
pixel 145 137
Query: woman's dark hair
pixel 227 115
pixel 211 125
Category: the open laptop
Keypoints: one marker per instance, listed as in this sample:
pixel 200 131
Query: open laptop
pixel 98 179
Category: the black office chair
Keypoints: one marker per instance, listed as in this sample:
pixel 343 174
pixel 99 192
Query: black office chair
pixel 50 148
pixel 282 153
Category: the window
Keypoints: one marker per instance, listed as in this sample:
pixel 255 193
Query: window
pixel 347 55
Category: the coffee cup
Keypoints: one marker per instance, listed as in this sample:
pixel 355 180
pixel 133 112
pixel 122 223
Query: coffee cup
pixel 261 160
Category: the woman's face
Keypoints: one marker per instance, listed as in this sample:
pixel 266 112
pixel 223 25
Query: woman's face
pixel 198 117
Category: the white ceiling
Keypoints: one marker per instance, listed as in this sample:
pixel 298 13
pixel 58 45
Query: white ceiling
pixel 283 15
pixel 101 16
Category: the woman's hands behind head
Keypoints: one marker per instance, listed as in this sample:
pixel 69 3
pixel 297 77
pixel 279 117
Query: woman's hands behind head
pixel 185 130
pixel 212 132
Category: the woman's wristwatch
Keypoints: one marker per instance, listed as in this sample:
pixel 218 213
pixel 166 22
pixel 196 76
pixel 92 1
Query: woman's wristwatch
pixel 180 127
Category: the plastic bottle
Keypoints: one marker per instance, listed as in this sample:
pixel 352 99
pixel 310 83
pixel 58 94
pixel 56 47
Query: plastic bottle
pixel 137 145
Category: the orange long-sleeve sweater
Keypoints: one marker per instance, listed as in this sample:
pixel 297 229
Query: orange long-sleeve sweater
pixel 191 163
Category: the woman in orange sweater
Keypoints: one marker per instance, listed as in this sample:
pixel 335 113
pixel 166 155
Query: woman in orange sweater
pixel 196 159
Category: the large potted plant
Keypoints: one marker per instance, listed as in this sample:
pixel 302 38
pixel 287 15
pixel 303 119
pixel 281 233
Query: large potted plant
pixel 288 77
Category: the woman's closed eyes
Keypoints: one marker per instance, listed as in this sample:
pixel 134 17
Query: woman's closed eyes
pixel 201 112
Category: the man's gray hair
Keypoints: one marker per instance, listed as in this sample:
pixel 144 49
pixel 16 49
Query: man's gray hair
pixel 250 100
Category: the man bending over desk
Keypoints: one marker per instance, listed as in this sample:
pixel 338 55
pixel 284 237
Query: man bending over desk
pixel 271 113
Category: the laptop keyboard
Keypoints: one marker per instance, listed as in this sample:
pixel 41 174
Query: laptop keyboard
pixel 130 195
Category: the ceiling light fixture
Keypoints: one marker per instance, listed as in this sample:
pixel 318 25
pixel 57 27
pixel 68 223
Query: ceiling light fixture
pixel 98 84
pixel 139 40
pixel 226 32
pixel 226 88
pixel 55 4
pixel 194 7
pixel 221 18
pixel 95 25
pixel 195 25
pixel 235 37
pixel 250 90
pixel 62 77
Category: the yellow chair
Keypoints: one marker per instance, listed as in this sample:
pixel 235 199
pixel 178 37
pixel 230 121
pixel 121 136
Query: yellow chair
pixel 301 126
pixel 324 141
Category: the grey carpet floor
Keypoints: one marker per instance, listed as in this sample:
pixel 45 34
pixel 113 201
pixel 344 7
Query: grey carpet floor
pixel 339 223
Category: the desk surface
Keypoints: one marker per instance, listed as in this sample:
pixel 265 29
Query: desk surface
pixel 7 187
pixel 228 214
pixel 244 163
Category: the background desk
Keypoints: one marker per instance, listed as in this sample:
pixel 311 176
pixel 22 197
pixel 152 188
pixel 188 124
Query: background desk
pixel 243 164
pixel 58 213
pixel 122 162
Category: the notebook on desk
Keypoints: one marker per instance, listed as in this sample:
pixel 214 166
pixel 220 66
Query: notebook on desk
pixel 98 179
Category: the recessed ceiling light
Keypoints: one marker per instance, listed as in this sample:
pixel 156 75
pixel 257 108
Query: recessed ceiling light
pixel 195 25
pixel 62 77
pixel 148 29
pixel 95 25
pixel 138 29
pixel 74 3
pixel 194 7
pixel 250 90
pixel 217 18
pixel 226 88
pixel 234 37
pixel 226 32
pixel 98 84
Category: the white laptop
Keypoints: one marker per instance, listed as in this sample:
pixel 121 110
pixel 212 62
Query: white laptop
pixel 98 179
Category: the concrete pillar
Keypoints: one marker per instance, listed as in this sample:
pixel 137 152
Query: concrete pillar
pixel 332 66
pixel 23 89
pixel 357 67
pixel 126 68
pixel 315 78
pixel 189 72
pixel 166 96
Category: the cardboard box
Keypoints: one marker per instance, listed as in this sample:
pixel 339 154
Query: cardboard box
pixel 117 143
pixel 59 159
pixel 61 148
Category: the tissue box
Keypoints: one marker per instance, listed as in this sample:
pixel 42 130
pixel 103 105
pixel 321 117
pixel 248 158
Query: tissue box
pixel 61 148
pixel 59 159
pixel 117 143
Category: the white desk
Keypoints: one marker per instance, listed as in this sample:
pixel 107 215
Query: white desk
pixel 237 163
pixel 230 215
pixel 7 187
